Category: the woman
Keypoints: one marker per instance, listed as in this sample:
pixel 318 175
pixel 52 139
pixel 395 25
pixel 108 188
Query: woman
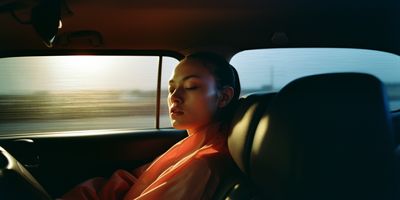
pixel 203 91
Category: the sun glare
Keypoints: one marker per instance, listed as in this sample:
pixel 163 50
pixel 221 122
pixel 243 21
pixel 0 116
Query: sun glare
pixel 83 65
pixel 79 72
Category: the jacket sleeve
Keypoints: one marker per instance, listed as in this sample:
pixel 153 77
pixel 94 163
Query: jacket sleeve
pixel 193 180
pixel 99 188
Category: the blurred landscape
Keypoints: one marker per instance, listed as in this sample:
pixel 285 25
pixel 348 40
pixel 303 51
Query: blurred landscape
pixel 91 110
pixel 76 105
pixel 77 110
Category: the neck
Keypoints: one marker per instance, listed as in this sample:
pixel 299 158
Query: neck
pixel 207 129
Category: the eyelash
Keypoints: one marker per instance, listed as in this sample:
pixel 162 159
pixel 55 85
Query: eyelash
pixel 171 90
pixel 191 88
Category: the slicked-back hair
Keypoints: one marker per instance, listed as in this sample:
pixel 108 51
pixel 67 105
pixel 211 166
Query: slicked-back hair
pixel 225 75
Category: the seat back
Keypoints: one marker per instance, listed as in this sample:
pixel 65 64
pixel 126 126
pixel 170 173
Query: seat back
pixel 244 124
pixel 396 127
pixel 325 137
pixel 248 114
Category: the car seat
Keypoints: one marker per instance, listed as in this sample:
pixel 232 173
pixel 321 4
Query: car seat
pixel 324 136
pixel 236 185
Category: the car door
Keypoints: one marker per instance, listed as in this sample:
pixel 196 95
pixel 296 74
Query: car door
pixel 71 118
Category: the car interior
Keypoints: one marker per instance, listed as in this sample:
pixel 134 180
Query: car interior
pixel 323 136
pixel 289 154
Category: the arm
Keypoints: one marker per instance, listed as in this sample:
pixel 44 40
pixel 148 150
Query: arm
pixel 192 180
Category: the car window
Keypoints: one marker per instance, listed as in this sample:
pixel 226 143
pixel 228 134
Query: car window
pixel 70 93
pixel 167 69
pixel 271 69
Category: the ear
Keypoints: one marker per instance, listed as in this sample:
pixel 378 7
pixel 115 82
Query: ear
pixel 225 96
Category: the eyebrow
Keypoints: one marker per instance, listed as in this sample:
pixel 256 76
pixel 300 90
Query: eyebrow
pixel 186 78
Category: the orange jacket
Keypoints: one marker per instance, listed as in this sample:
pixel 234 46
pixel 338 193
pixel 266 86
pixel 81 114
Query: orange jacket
pixel 188 170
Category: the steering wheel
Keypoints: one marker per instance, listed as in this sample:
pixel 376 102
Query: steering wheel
pixel 16 182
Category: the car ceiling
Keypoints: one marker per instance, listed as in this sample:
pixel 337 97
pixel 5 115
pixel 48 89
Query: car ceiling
pixel 224 26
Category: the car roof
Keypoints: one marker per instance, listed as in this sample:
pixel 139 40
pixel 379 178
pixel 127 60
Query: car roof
pixel 222 26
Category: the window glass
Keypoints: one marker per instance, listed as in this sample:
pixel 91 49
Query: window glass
pixel 67 93
pixel 167 69
pixel 271 69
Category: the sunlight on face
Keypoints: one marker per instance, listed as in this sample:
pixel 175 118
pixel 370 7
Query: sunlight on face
pixel 193 96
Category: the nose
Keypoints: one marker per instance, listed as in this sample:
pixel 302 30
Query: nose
pixel 176 96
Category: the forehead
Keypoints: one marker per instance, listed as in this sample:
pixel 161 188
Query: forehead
pixel 190 68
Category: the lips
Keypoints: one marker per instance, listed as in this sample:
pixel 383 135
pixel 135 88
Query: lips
pixel 174 111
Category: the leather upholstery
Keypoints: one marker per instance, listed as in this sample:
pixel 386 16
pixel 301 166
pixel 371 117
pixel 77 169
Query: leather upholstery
pixel 326 137
pixel 245 122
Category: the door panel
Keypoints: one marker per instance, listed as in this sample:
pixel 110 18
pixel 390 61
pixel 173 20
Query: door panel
pixel 65 160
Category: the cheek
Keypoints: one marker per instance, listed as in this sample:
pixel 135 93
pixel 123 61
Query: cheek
pixel 206 105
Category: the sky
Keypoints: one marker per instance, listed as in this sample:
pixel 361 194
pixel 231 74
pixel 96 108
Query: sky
pixel 71 73
pixel 288 64
pixel 256 68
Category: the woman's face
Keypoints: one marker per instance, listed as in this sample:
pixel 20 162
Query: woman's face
pixel 192 97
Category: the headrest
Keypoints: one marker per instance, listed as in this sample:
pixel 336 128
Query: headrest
pixel 245 121
pixel 326 137
pixel 396 126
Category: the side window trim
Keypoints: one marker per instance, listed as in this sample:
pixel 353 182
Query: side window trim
pixel 158 95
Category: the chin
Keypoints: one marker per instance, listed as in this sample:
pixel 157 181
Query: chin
pixel 178 125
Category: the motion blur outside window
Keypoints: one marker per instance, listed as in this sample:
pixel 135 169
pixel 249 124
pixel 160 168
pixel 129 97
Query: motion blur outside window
pixel 58 94
pixel 73 93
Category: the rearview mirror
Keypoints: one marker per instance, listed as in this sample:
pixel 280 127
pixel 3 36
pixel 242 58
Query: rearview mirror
pixel 46 20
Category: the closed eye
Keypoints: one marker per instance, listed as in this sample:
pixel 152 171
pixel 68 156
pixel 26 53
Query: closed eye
pixel 192 88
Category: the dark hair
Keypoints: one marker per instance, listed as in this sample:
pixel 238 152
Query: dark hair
pixel 225 75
